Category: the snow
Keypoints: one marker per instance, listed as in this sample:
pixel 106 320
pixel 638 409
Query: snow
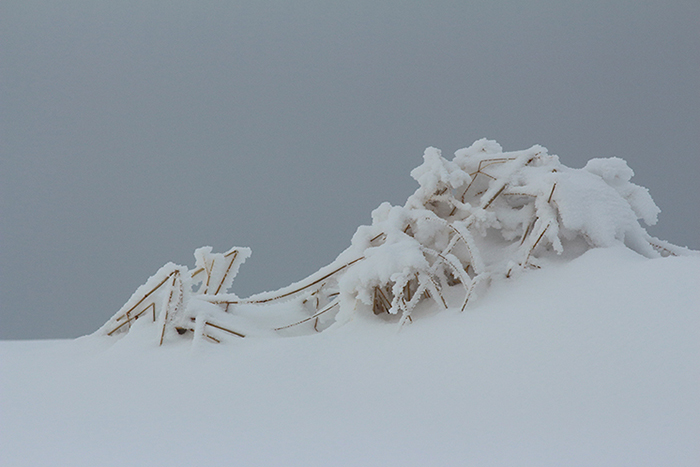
pixel 593 361
pixel 580 350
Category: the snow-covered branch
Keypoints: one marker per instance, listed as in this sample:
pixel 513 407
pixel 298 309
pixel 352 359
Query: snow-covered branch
pixel 484 215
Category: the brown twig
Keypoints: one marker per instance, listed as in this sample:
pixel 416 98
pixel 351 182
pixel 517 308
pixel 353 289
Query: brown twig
pixel 527 258
pixel 381 300
pixel 133 318
pixel 167 308
pixel 228 269
pixel 207 323
pixel 493 198
pixel 327 308
pixel 287 294
pixel 146 296
pixel 209 269
pixel 527 230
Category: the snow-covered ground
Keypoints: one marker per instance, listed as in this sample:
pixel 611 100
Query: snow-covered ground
pixel 592 362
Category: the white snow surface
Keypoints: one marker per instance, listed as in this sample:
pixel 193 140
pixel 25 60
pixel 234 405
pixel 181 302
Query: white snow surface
pixel 588 362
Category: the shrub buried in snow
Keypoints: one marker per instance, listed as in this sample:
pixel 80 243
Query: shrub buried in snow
pixel 485 214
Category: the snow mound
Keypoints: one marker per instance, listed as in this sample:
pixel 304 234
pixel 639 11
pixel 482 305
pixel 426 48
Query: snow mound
pixel 484 216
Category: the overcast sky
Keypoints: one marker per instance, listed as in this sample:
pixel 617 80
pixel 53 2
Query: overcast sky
pixel 133 132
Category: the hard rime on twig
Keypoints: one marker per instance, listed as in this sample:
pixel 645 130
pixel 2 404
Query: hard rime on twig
pixel 484 215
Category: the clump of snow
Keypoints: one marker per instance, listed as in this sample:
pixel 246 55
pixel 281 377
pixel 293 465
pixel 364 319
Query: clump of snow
pixel 485 215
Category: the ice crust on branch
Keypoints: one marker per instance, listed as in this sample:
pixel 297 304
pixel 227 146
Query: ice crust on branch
pixel 484 215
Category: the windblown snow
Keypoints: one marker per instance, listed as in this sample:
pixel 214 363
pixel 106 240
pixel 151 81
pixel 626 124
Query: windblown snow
pixel 580 349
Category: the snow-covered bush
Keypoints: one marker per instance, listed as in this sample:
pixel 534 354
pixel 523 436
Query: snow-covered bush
pixel 486 214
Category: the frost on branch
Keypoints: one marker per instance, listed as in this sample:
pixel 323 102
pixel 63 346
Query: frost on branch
pixel 486 214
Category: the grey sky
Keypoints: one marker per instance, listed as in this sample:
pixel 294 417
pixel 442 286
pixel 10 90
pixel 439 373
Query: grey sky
pixel 133 132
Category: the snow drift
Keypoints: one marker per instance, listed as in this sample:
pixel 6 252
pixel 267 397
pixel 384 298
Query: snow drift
pixel 485 215
pixel 589 362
